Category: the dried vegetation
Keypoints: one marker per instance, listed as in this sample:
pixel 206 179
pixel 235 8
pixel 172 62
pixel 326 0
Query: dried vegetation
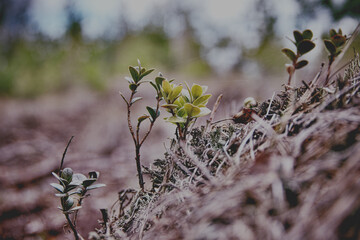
pixel 290 170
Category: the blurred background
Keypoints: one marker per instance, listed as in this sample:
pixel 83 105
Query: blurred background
pixel 62 64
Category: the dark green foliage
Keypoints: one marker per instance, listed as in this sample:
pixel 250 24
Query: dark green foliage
pixel 304 44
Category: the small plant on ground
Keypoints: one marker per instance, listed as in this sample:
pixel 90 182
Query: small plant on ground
pixel 72 189
pixel 185 105
pixel 304 44
pixel 137 75
pixel 334 46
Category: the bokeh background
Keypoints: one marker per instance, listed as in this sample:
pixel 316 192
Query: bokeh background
pixel 62 64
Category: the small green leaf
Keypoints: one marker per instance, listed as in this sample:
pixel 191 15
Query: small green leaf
pixel 196 91
pixel 154 85
pixel 290 54
pixel 68 204
pixel 203 112
pixel 152 112
pixel 340 31
pixel 166 87
pixel 99 185
pixel 169 106
pixel 307 34
pixel 298 37
pixel 301 64
pixel 94 174
pixel 142 118
pixel 203 100
pixel 57 187
pixel 134 74
pixel 330 46
pixel 146 73
pixel 66 174
pixel 338 40
pixel 174 93
pixel 191 110
pixel 133 87
pixel 78 179
pixel 305 46
pixel 332 32
pixel 135 100
pixel 88 182
pixel 159 80
pixel 176 119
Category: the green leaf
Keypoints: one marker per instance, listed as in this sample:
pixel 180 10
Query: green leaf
pixel 66 174
pixel 307 34
pixel 94 174
pixel 61 180
pixel 133 87
pixel 135 100
pixel 159 80
pixel 298 37
pixel 57 187
pixel 340 31
pixel 99 185
pixel 191 110
pixel 290 54
pixel 305 46
pixel 154 85
pixel 166 87
pixel 68 203
pixel 134 74
pixel 88 182
pixel 175 119
pixel 146 73
pixel 203 100
pixel 174 93
pixel 196 91
pixel 152 112
pixel 203 112
pixel 78 179
pixel 330 46
pixel 142 118
pixel 332 32
pixel 169 106
pixel 338 40
pixel 301 64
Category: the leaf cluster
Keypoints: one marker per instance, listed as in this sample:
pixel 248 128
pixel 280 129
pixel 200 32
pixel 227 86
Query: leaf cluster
pixel 185 105
pixel 335 44
pixel 304 44
pixel 72 188
pixel 137 74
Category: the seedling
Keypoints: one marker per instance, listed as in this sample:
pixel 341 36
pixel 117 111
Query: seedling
pixel 334 46
pixel 185 105
pixel 304 44
pixel 72 189
pixel 137 75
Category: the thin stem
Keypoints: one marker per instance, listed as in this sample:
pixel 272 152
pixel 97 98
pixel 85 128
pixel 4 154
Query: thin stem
pixel 129 117
pixel 152 122
pixel 76 235
pixel 138 166
pixel 64 154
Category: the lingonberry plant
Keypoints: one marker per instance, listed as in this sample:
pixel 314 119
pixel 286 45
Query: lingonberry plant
pixel 334 46
pixel 185 105
pixel 137 75
pixel 72 189
pixel 304 44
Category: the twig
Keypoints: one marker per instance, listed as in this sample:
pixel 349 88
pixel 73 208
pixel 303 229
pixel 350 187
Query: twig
pixel 64 154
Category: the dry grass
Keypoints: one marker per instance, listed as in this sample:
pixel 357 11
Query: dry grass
pixel 291 172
